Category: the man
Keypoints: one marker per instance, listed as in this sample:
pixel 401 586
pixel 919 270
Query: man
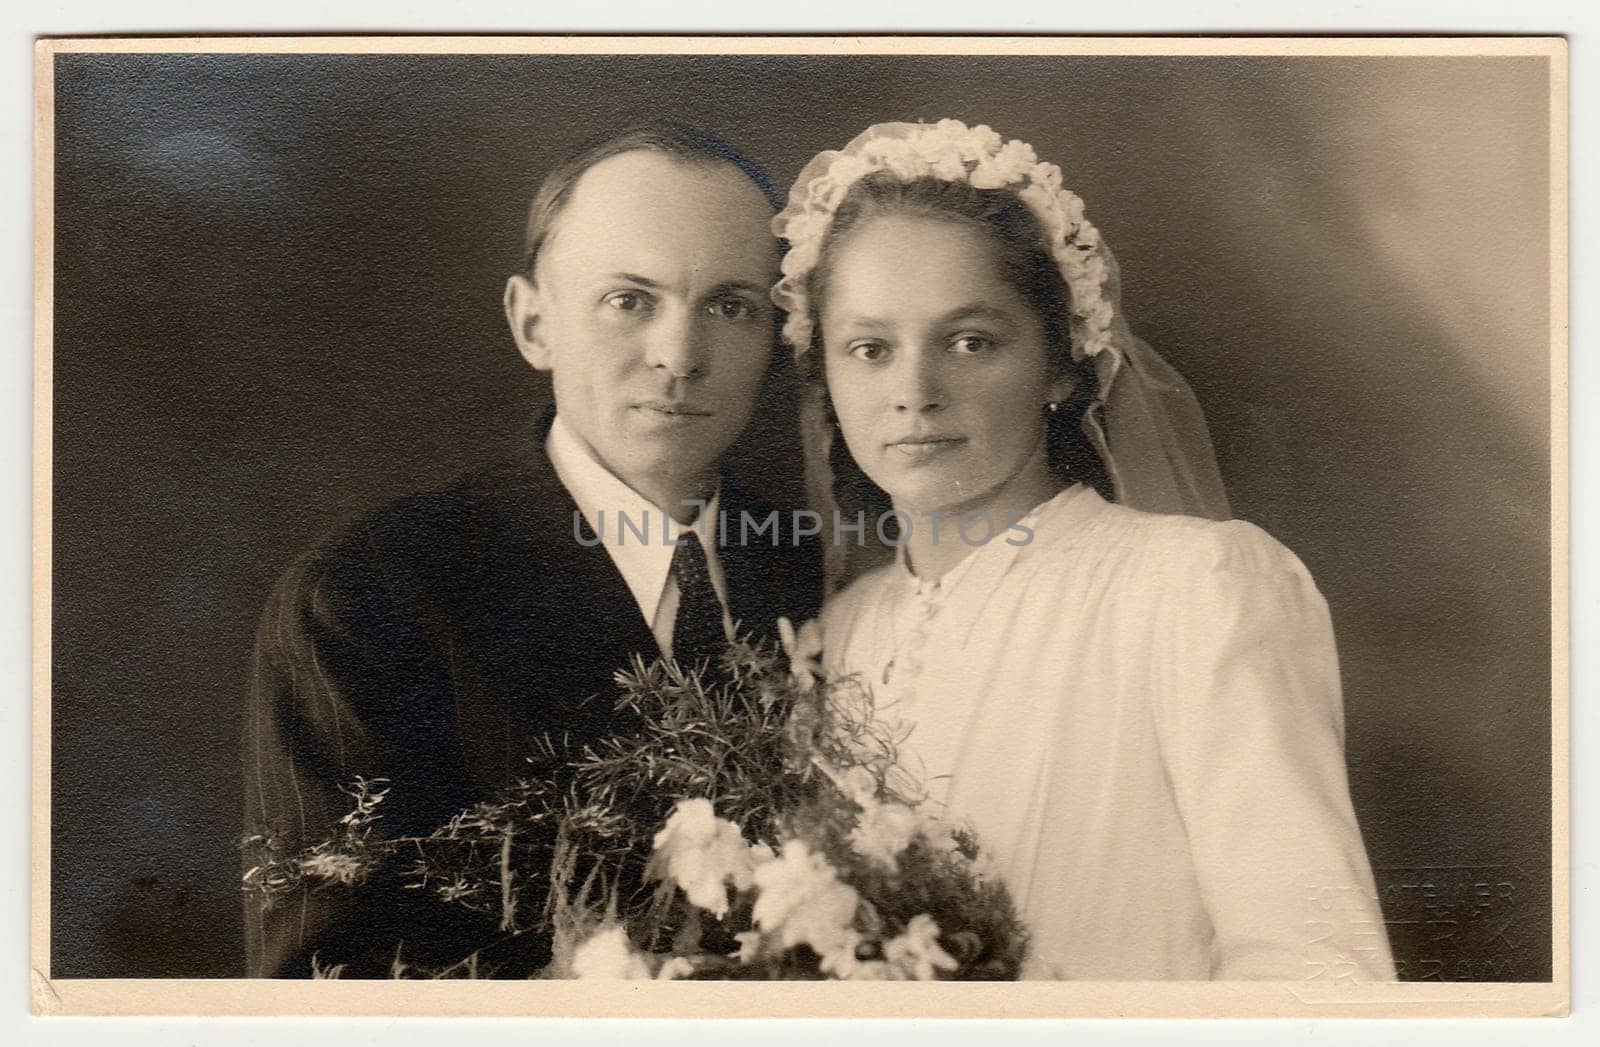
pixel 436 642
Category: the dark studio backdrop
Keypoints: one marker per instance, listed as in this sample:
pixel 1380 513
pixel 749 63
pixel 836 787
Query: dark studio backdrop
pixel 277 304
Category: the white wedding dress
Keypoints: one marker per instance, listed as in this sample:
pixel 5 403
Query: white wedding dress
pixel 1140 716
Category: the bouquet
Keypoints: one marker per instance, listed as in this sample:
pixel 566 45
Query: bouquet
pixel 756 825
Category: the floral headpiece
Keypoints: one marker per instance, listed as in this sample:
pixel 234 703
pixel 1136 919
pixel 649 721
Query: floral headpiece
pixel 951 151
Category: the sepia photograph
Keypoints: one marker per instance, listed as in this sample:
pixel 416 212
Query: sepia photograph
pixel 1079 521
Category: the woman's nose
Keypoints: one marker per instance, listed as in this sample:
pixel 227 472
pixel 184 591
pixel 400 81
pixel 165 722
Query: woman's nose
pixel 673 344
pixel 920 383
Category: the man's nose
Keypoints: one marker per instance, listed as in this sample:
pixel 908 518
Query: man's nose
pixel 674 344
pixel 920 382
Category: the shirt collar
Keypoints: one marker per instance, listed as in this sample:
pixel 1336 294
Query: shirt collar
pixel 932 588
pixel 928 588
pixel 604 501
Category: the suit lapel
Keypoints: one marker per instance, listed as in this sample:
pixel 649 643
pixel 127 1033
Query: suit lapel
pixel 546 622
pixel 769 575
pixel 747 562
pixel 546 619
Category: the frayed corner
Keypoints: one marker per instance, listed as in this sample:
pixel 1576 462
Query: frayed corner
pixel 46 1000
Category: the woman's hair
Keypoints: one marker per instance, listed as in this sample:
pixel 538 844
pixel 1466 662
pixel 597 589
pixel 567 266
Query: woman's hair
pixel 1025 262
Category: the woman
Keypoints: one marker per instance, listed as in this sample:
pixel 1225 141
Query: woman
pixel 1137 711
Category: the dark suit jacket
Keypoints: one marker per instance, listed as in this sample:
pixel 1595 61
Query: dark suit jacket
pixel 432 644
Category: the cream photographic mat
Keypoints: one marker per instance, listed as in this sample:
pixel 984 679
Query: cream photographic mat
pixel 267 281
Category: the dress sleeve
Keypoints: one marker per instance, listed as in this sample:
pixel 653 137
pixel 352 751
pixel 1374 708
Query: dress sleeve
pixel 1251 725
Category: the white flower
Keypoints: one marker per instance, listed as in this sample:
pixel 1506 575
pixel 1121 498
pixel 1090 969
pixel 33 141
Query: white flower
pixel 902 157
pixel 973 142
pixel 871 971
pixel 858 784
pixel 1042 202
pixel 1095 271
pixel 801 899
pixel 1020 155
pixel 749 946
pixel 609 954
pixel 987 175
pixel 949 167
pixel 941 154
pixel 883 832
pixel 841 961
pixel 1015 162
pixel 905 165
pixel 1070 204
pixel 822 922
pixel 916 952
pixel 1087 238
pixel 677 967
pixel 938 836
pixel 702 854
pixel 1049 176
pixel 952 151
pixel 983 867
pixel 331 865
pixel 984 139
pixel 930 146
pixel 876 153
pixel 804 648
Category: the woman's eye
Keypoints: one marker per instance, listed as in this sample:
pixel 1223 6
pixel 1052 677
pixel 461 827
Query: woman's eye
pixel 972 343
pixel 627 301
pixel 868 351
pixel 732 309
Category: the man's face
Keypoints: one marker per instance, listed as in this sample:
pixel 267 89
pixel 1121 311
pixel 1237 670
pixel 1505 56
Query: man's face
pixel 649 306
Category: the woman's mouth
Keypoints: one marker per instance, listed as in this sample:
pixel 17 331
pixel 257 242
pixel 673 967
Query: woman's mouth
pixel 922 448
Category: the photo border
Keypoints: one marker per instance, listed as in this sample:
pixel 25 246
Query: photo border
pixel 559 999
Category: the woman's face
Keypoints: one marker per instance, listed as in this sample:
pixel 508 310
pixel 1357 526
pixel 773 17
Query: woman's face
pixel 937 367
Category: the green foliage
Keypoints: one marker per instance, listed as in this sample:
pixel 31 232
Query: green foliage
pixel 567 850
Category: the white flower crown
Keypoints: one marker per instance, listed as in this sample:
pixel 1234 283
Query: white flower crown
pixel 951 151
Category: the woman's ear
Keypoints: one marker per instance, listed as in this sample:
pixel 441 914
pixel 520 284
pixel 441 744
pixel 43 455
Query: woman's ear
pixel 1061 387
pixel 523 304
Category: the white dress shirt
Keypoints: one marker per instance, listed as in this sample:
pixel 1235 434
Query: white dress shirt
pixel 1140 716
pixel 618 514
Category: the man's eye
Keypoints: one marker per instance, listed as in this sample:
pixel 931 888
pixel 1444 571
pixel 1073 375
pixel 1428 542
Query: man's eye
pixel 868 351
pixel 972 343
pixel 627 301
pixel 732 309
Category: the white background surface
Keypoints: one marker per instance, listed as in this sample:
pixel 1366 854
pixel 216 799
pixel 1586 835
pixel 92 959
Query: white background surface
pixel 174 17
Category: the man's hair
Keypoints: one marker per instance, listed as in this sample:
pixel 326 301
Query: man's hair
pixel 686 144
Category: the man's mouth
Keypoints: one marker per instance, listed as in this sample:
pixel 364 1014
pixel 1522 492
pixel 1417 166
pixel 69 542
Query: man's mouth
pixel 672 409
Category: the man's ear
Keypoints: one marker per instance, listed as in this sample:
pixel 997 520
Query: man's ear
pixel 523 305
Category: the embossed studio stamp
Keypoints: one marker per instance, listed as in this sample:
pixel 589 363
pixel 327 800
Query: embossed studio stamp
pixel 1462 923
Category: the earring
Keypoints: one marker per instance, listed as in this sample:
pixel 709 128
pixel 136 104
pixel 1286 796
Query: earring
pixel 1053 406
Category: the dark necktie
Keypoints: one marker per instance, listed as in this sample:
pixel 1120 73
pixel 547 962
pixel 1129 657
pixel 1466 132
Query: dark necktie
pixel 697 633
